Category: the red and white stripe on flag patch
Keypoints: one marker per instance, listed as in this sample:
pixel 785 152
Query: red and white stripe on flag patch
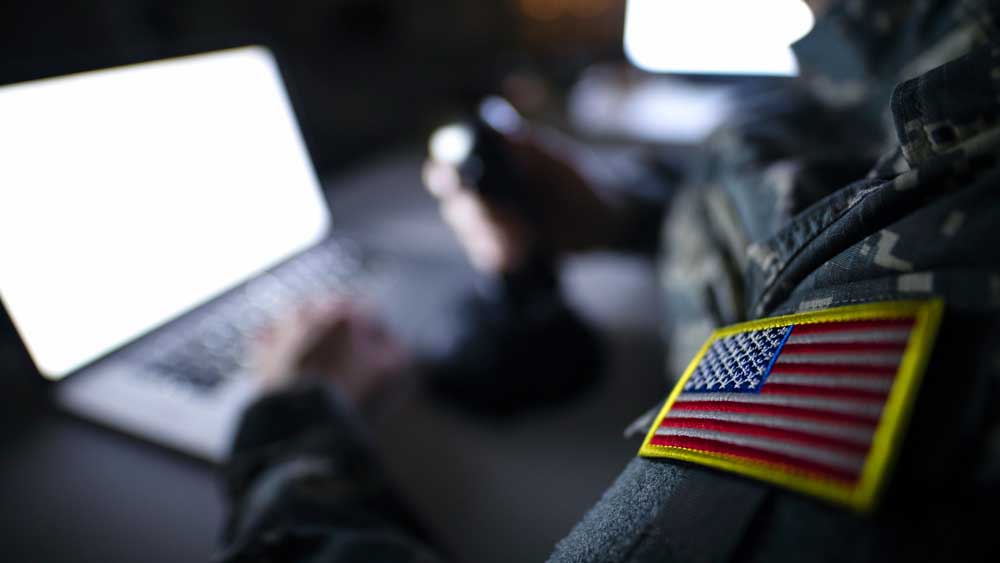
pixel 815 402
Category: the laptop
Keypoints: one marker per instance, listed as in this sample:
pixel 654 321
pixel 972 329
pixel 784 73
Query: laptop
pixel 152 218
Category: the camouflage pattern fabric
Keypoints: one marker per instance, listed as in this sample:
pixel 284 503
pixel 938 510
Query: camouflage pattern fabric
pixel 304 486
pixel 872 178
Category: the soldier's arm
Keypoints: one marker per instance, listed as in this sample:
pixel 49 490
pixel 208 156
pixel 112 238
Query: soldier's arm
pixel 303 485
pixel 302 480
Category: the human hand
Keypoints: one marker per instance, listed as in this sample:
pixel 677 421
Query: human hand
pixel 336 342
pixel 567 212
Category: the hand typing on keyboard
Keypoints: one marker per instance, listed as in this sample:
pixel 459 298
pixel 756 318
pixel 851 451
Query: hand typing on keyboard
pixel 335 341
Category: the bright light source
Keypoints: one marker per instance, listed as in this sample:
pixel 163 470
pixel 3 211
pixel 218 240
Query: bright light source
pixel 452 144
pixel 716 36
pixel 130 195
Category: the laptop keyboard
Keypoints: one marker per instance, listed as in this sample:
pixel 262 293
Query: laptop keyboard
pixel 207 348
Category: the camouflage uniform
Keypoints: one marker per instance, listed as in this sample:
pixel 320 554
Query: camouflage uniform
pixel 774 221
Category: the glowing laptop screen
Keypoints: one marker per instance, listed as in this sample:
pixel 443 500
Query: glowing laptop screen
pixel 131 195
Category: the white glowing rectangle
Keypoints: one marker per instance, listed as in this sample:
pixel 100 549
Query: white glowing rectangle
pixel 746 37
pixel 131 195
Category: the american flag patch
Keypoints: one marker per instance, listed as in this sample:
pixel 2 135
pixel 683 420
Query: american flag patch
pixel 815 402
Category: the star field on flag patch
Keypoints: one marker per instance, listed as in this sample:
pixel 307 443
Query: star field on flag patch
pixel 816 402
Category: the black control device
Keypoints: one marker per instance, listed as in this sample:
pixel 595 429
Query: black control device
pixel 519 344
pixel 479 149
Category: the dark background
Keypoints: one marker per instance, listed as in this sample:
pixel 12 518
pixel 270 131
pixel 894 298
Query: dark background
pixel 365 73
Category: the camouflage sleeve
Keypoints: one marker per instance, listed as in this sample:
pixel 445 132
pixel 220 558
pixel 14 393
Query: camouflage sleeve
pixel 304 486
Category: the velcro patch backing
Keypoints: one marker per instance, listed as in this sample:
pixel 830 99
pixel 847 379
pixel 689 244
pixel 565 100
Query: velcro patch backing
pixel 816 402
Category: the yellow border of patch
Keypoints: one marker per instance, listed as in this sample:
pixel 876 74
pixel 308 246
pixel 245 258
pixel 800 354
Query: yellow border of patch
pixel 864 495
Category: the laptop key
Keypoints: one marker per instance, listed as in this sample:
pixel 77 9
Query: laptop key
pixel 213 346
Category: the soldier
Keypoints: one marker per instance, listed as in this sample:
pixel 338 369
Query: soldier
pixel 871 180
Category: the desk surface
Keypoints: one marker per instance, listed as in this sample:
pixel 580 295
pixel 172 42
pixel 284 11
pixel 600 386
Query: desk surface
pixel 70 491
pixel 492 491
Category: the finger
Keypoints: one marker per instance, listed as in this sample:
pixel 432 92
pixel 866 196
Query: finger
pixel 493 240
pixel 333 332
pixel 263 334
pixel 304 313
pixel 282 330
pixel 482 249
pixel 441 179
pixel 325 347
pixel 332 307
pixel 318 313
pixel 466 213
pixel 379 338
